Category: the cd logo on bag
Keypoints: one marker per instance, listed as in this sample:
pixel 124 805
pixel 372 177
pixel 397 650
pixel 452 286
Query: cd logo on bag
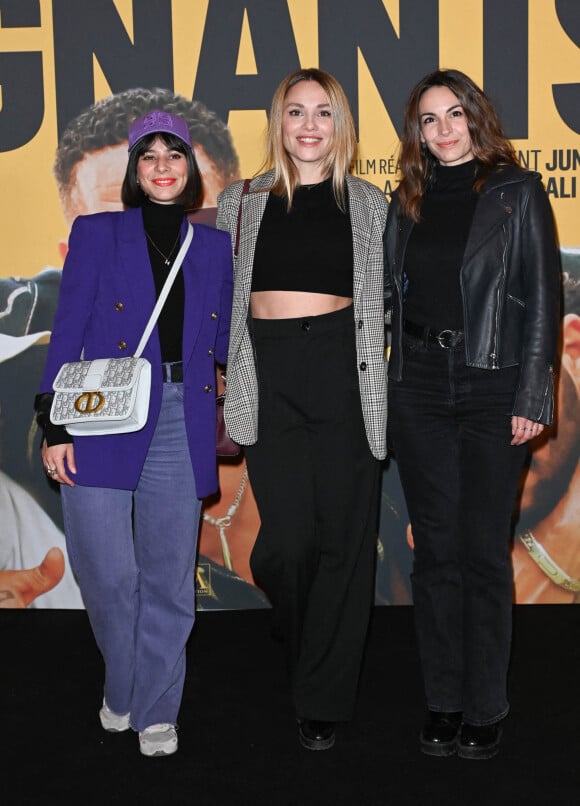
pixel 89 402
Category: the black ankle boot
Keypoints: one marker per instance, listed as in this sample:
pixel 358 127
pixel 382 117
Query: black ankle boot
pixel 314 734
pixel 479 741
pixel 440 731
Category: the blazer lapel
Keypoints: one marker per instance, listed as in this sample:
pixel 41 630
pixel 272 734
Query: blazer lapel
pixel 253 206
pixel 196 270
pixel 359 216
pixel 133 269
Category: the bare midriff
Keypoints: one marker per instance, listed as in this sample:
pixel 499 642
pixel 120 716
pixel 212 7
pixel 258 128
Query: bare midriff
pixel 294 304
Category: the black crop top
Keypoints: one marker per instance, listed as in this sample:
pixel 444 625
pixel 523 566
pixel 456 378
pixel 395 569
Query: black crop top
pixel 306 249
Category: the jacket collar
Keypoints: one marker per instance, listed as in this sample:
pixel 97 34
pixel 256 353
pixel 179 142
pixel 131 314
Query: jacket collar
pixel 262 182
pixel 497 205
pixel 486 218
pixel 506 175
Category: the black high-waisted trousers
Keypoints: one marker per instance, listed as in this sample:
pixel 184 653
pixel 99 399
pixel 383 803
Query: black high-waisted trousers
pixel 316 486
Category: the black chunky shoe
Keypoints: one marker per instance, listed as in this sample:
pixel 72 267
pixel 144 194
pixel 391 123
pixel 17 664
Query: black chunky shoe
pixel 440 731
pixel 314 734
pixel 479 741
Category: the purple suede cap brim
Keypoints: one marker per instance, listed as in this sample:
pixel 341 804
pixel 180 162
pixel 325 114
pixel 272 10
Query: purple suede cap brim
pixel 158 121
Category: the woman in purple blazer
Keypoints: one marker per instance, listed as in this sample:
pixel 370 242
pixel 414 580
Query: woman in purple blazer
pixel 131 502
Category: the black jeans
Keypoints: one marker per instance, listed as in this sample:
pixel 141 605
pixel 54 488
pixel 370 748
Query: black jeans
pixel 316 486
pixel 450 427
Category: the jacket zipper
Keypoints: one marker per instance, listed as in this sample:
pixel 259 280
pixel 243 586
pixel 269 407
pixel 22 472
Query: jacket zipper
pixel 548 391
pixel 398 283
pixel 494 355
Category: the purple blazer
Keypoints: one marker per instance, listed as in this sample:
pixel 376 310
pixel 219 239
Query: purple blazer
pixel 106 297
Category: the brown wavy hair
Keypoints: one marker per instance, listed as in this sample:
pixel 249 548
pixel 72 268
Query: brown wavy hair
pixel 343 145
pixel 489 144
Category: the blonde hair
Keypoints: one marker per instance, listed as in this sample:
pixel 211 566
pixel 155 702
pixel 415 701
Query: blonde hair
pixel 343 144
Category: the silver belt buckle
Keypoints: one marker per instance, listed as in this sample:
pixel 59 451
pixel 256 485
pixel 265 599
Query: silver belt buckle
pixel 442 340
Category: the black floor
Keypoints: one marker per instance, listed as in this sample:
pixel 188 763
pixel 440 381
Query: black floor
pixel 237 733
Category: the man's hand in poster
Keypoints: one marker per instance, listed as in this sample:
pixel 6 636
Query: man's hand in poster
pixel 19 588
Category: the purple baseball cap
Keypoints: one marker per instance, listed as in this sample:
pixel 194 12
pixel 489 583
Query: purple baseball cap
pixel 158 121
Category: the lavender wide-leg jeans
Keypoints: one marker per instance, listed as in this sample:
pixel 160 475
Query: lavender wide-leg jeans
pixel 133 553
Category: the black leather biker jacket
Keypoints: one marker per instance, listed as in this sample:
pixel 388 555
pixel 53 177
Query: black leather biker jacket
pixel 510 284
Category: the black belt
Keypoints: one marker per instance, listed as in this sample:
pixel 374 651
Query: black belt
pixel 172 372
pixel 442 338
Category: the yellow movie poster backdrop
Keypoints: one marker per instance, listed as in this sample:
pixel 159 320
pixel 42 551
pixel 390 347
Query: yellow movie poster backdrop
pixel 74 72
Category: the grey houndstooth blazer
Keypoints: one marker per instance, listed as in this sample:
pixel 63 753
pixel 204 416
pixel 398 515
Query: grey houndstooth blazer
pixel 368 212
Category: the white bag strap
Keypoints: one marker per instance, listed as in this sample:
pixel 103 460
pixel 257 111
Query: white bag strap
pixel 164 292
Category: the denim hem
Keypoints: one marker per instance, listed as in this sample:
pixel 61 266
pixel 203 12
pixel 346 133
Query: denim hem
pixel 492 721
pixel 453 709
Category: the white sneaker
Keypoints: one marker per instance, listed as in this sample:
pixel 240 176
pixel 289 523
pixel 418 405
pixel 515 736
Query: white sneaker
pixel 158 740
pixel 116 723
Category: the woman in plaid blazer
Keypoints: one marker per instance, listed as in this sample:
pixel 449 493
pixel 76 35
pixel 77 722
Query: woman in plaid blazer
pixel 307 388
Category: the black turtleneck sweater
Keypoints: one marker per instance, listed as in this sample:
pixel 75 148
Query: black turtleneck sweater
pixel 162 224
pixel 435 249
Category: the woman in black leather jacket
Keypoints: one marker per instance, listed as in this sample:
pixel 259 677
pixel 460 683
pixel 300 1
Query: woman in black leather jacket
pixel 472 286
